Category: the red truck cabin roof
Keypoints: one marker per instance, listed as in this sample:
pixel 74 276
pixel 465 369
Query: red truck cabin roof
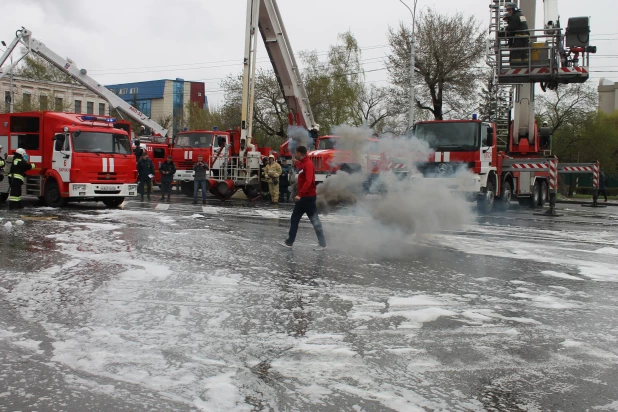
pixel 34 131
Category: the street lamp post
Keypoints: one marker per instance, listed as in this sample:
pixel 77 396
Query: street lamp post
pixel 12 93
pixel 412 50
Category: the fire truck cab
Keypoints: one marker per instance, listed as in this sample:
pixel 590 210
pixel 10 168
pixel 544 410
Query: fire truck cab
pixel 329 157
pixel 76 157
pixel 213 145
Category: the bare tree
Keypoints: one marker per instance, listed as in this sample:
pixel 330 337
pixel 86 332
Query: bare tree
pixel 372 107
pixel 448 50
pixel 567 105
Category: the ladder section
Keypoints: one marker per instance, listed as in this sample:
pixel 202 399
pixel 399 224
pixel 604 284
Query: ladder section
pixel 500 95
pixel 284 64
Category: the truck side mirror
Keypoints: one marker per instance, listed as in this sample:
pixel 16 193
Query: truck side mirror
pixel 59 142
pixel 490 136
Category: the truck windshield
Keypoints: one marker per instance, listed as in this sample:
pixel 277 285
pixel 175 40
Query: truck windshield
pixel 96 142
pixel 450 136
pixel 194 140
pixel 325 144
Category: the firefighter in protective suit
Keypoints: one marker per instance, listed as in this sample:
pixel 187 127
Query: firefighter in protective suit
pixel 272 172
pixel 517 30
pixel 17 176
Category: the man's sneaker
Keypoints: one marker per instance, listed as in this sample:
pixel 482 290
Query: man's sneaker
pixel 320 248
pixel 203 202
pixel 285 244
pixel 195 202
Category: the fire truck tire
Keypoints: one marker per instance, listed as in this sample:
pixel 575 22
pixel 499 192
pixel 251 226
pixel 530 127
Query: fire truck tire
pixel 3 197
pixel 187 188
pixel 252 192
pixel 507 195
pixel 52 194
pixel 486 203
pixel 544 194
pixel 536 195
pixel 113 202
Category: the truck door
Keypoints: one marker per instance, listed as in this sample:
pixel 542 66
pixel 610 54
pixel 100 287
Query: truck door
pixel 486 147
pixel 61 156
pixel 220 143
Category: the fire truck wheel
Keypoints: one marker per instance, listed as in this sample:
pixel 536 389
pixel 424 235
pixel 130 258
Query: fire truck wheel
pixel 536 195
pixel 3 197
pixel 544 194
pixel 113 202
pixel 252 192
pixel 52 194
pixel 486 202
pixel 187 188
pixel 505 198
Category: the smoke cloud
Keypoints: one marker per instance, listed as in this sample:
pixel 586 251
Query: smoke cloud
pixel 406 206
pixel 298 136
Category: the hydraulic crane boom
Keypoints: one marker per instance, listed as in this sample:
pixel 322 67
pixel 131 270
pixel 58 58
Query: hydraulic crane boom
pixel 284 64
pixel 264 15
pixel 24 37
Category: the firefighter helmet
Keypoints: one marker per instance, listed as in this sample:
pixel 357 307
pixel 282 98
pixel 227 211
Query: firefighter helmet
pixel 21 151
pixel 512 6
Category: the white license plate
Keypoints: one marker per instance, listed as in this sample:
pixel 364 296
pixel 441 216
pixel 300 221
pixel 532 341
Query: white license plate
pixel 108 187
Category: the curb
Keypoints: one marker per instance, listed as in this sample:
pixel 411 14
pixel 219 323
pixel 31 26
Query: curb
pixel 585 202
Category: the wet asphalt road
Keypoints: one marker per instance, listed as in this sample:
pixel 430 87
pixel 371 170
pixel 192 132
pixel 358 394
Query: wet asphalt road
pixel 183 307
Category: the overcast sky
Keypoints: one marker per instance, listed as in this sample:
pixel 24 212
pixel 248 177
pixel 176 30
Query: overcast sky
pixel 121 41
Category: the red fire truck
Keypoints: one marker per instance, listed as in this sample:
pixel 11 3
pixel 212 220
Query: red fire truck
pixel 76 157
pixel 218 149
pixel 328 159
pixel 511 156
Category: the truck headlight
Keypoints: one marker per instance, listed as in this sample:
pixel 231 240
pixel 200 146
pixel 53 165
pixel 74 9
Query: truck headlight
pixel 132 187
pixel 79 188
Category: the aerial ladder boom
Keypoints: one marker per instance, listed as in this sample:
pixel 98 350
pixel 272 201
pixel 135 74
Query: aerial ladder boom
pixel 264 15
pixel 24 37
pixel 284 64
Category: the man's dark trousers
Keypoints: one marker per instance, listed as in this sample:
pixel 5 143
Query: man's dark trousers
pixel 306 205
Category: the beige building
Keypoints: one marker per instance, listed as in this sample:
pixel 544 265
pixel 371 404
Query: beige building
pixel 40 95
pixel 608 96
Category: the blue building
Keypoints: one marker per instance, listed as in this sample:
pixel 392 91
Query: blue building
pixel 162 99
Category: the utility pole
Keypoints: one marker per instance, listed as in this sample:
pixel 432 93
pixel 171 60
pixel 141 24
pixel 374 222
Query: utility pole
pixel 11 86
pixel 412 55
pixel 11 92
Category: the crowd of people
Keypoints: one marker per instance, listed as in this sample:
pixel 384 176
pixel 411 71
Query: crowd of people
pixel 274 177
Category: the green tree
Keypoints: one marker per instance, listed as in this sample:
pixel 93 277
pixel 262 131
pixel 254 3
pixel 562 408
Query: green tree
pixel 448 50
pixel 33 67
pixel 335 86
pixel 594 137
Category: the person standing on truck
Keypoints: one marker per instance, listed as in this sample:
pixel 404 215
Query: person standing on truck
pixel 145 173
pixel 17 176
pixel 272 172
pixel 517 30
pixel 199 179
pixel 305 200
pixel 168 170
